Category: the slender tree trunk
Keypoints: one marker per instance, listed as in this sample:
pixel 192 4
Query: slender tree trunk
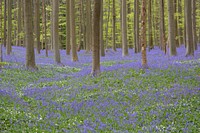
pixel 44 28
pixel 194 24
pixel 143 35
pixel 172 45
pixel 37 24
pixel 30 56
pixel 55 31
pixel 162 26
pixel 175 23
pixel 5 22
pixel 68 27
pixel 124 29
pixel 189 35
pixel 136 26
pixel 88 26
pixel 179 21
pixel 72 31
pixel 9 37
pixel 19 29
pixel 114 26
pixel 150 26
pixel 1 45
pixel 101 31
pixel 96 36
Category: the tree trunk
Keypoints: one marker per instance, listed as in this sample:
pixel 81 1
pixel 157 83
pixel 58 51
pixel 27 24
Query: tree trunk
pixel 143 35
pixel 124 29
pixel 88 26
pixel 136 26
pixel 150 26
pixel 30 56
pixel 72 31
pixel 5 22
pixel 194 32
pixel 101 32
pixel 37 25
pixel 44 27
pixel 175 23
pixel 114 27
pixel 179 21
pixel 172 45
pixel 55 31
pixel 19 29
pixel 9 37
pixel 162 26
pixel 68 27
pixel 1 29
pixel 96 36
pixel 189 35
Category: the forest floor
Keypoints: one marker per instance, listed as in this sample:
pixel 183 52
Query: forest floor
pixel 124 98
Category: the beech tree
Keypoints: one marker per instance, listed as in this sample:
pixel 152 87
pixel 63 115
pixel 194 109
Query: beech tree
pixel 30 55
pixel 96 37
pixel 188 24
pixel 143 35
pixel 171 28
pixel 55 31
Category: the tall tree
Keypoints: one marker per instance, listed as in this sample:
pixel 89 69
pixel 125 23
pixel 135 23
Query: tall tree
pixel 68 27
pixel 19 18
pixel 194 24
pixel 143 35
pixel 124 29
pixel 9 27
pixel 37 24
pixel 96 36
pixel 1 45
pixel 73 31
pixel 162 26
pixel 44 41
pixel 188 24
pixel 171 28
pixel 5 24
pixel 175 23
pixel 150 37
pixel 30 56
pixel 101 32
pixel 114 26
pixel 55 31
pixel 88 26
pixel 136 26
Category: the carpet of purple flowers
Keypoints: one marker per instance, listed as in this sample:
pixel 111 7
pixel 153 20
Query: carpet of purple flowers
pixel 124 98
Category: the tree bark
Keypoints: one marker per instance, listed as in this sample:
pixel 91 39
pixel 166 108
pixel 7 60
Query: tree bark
pixel 37 25
pixel 88 26
pixel 102 49
pixel 114 27
pixel 68 27
pixel 9 37
pixel 30 55
pixel 124 29
pixel 72 31
pixel 188 22
pixel 55 31
pixel 96 36
pixel 171 28
pixel 136 26
pixel 143 35
pixel 150 26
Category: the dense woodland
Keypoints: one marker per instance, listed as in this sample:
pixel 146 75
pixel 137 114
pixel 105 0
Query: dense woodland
pixel 100 66
pixel 123 24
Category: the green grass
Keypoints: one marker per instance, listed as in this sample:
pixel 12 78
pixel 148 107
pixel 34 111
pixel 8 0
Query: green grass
pixel 119 85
